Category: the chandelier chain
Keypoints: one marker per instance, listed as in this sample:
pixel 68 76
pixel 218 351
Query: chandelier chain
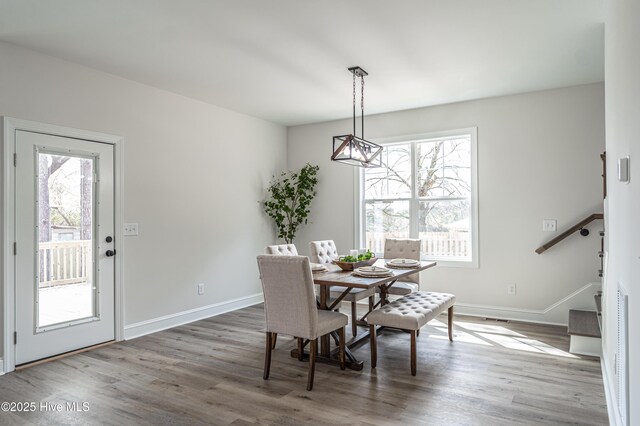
pixel 354 90
pixel 362 95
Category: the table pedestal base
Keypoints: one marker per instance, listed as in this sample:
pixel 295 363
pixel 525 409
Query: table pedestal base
pixel 352 363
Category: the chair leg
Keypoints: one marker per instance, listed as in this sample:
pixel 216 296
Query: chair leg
pixel 413 352
pixel 273 344
pixel 374 346
pixel 417 332
pixel 312 363
pixel 267 356
pixel 372 302
pixel 300 348
pixel 450 323
pixel 341 346
pixel 354 319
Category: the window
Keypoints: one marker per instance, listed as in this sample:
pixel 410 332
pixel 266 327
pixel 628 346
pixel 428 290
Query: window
pixel 425 189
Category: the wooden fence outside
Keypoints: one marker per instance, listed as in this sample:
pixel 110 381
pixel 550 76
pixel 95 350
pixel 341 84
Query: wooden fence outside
pixel 65 262
pixel 433 244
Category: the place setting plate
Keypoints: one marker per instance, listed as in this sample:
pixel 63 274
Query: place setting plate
pixel 403 263
pixel 372 272
pixel 318 267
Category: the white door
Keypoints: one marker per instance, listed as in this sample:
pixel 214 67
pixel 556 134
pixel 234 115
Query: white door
pixel 65 251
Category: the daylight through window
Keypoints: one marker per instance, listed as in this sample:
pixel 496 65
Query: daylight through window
pixel 426 190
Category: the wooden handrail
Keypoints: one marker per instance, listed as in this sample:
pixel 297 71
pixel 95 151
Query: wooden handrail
pixel 584 222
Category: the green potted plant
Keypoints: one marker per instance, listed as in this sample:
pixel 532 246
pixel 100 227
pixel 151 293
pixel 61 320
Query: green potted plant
pixel 289 198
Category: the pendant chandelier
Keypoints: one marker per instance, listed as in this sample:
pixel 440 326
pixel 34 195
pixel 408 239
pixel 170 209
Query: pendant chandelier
pixel 351 149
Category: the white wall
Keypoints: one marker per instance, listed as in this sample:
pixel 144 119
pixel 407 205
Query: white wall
pixel 193 174
pixel 538 158
pixel 622 82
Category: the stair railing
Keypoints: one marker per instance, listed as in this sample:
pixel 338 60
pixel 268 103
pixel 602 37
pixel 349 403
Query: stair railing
pixel 577 227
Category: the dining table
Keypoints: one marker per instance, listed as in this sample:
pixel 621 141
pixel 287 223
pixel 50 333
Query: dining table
pixel 334 276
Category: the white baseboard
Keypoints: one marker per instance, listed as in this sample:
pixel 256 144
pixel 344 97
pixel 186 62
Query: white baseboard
pixel 555 314
pixel 1 366
pixel 142 328
pixel 608 377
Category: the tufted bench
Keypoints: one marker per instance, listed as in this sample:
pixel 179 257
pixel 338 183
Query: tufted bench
pixel 410 313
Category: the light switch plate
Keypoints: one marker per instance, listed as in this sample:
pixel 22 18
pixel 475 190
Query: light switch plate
pixel 623 169
pixel 549 225
pixel 130 229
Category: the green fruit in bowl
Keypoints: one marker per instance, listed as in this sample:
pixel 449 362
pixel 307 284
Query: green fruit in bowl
pixel 348 259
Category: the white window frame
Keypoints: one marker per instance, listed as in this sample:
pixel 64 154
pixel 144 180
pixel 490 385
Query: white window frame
pixel 359 207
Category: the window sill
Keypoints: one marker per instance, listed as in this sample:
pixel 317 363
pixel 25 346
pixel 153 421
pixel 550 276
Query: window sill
pixel 473 264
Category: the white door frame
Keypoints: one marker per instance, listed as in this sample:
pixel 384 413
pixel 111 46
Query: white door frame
pixel 8 132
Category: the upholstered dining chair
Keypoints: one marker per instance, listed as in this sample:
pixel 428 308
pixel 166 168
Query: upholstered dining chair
pixel 326 252
pixel 290 308
pixel 282 250
pixel 395 248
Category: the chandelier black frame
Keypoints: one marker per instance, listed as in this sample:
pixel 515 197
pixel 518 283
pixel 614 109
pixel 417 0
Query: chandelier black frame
pixel 351 149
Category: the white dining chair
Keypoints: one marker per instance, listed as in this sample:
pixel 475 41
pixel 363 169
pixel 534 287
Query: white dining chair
pixel 290 308
pixel 282 250
pixel 408 248
pixel 325 252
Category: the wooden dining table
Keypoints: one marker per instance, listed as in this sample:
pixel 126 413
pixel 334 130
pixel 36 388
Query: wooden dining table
pixel 336 277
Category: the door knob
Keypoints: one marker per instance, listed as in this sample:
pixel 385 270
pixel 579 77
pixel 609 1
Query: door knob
pixel 110 253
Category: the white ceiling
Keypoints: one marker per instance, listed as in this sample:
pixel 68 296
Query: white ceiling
pixel 286 60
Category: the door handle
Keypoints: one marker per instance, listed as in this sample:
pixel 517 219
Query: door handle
pixel 110 253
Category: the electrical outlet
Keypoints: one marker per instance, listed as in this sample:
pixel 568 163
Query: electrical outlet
pixel 201 289
pixel 549 225
pixel 130 229
pixel 511 289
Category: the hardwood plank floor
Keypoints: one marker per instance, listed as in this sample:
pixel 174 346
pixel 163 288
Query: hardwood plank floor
pixel 210 372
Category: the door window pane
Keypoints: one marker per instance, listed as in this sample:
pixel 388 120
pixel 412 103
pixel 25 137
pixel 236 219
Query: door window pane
pixel 66 291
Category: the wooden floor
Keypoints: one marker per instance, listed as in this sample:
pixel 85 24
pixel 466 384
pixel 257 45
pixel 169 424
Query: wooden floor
pixel 210 372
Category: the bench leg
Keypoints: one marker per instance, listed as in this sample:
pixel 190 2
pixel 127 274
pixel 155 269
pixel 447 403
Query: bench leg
pixel 450 323
pixel 374 347
pixel 275 337
pixel 300 349
pixel 413 352
pixel 341 346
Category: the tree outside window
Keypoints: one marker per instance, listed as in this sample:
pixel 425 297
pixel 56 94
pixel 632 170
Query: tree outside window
pixel 424 190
